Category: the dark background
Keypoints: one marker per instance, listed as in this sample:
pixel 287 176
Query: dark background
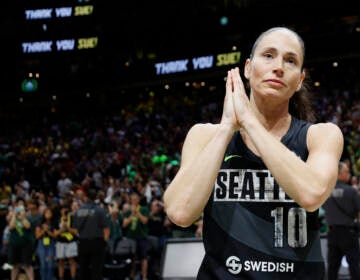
pixel 133 35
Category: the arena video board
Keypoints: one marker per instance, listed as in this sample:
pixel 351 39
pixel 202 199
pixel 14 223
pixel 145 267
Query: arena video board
pixel 59 26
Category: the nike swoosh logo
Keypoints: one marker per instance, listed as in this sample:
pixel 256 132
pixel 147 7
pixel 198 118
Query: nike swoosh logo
pixel 230 157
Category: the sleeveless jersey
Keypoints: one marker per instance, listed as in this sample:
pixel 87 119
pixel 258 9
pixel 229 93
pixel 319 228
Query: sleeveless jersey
pixel 252 229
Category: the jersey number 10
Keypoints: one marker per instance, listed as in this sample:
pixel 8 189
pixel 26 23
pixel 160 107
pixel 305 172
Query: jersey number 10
pixel 296 227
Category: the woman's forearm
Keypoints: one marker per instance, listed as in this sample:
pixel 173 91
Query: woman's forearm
pixel 308 183
pixel 187 195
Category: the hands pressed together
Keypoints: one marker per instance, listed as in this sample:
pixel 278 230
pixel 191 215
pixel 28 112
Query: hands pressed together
pixel 236 103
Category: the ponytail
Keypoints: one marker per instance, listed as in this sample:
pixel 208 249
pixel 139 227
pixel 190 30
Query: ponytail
pixel 301 104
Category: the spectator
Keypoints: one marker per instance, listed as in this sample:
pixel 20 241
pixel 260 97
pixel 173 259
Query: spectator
pixel 5 192
pixel 21 241
pixel 115 221
pixel 34 211
pixel 64 185
pixel 66 242
pixel 157 234
pixel 135 224
pixel 24 184
pixel 3 236
pixel 45 235
pixel 4 211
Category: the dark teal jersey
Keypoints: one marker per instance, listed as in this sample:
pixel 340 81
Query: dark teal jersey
pixel 252 229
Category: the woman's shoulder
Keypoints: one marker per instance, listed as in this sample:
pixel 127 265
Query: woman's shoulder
pixel 201 128
pixel 325 132
pixel 201 132
pixel 205 126
pixel 325 127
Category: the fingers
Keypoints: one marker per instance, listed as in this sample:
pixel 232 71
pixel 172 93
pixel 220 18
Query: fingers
pixel 238 84
pixel 233 104
pixel 240 100
pixel 233 81
pixel 229 89
pixel 229 82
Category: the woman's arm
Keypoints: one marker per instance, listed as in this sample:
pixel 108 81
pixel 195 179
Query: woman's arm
pixel 201 158
pixel 308 183
pixel 202 154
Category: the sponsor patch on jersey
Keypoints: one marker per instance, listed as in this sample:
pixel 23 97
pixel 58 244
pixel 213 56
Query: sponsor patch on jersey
pixel 234 265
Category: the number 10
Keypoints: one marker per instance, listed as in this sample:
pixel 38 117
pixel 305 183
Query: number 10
pixel 297 233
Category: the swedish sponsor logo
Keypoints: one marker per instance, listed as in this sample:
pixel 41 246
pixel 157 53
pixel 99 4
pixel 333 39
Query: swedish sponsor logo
pixel 235 266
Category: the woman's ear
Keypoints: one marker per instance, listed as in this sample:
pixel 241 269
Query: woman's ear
pixel 302 77
pixel 247 68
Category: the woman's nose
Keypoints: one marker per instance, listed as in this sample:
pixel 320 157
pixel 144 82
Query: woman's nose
pixel 278 67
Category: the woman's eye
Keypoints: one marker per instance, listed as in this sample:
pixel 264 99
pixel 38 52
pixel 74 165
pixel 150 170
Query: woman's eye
pixel 291 60
pixel 268 55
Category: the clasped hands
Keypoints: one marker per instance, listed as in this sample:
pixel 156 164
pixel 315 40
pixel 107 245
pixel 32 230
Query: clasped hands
pixel 236 103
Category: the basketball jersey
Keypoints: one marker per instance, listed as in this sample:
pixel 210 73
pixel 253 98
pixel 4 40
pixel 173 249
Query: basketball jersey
pixel 252 229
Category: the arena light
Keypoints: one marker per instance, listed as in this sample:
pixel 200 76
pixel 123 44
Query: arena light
pixel 29 85
pixel 224 20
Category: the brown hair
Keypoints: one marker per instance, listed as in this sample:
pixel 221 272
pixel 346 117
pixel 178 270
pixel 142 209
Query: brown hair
pixel 300 104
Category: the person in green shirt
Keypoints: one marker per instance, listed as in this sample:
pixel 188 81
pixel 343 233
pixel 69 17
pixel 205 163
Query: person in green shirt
pixel 115 219
pixel 21 241
pixel 135 225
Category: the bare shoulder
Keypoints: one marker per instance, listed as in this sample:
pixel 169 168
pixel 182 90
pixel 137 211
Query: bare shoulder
pixel 200 133
pixel 204 130
pixel 327 129
pixel 325 133
pixel 197 137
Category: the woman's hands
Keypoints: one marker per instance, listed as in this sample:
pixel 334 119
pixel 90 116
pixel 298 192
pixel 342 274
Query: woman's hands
pixel 236 103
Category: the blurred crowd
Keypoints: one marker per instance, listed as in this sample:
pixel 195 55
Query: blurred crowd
pixel 48 164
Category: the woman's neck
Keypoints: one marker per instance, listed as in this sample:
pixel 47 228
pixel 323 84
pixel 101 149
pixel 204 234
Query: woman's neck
pixel 274 117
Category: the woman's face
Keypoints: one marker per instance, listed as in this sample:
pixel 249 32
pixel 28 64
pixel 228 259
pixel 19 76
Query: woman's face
pixel 275 70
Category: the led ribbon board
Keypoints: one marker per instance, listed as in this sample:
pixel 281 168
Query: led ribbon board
pixel 197 63
pixel 56 16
